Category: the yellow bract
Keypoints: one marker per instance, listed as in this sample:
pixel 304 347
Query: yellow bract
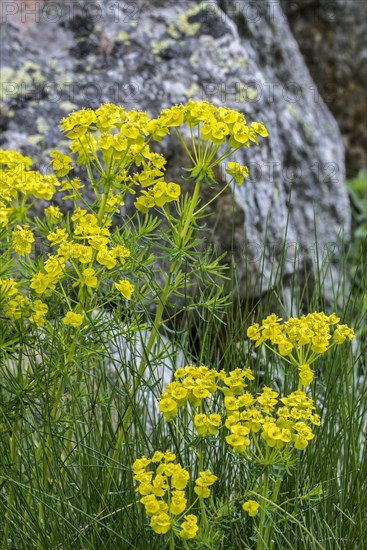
pixel 73 319
pixel 251 507
pixel 126 288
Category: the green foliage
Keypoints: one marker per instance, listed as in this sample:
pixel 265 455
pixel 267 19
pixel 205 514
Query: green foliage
pixel 82 359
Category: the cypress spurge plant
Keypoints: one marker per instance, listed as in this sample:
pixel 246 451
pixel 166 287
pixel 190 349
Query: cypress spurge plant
pixel 95 255
pixel 262 429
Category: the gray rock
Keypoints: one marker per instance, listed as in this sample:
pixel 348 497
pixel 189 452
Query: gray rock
pixel 150 55
pixel 332 38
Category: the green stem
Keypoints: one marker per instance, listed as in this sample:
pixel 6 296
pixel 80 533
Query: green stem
pixel 144 362
pixel 194 201
pixel 261 543
pixel 13 455
pixel 102 205
pixel 11 495
pixel 269 529
pixel 201 500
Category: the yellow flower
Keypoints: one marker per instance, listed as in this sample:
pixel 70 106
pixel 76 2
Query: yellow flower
pixel 341 333
pixel 285 347
pixel 126 288
pixel 17 307
pixel 144 203
pixel 78 122
pixel 161 523
pixel 22 240
pixel 254 332
pixel 8 288
pixel 237 172
pixel 206 479
pixel 40 282
pixel 157 457
pixel 168 407
pixel 202 492
pixel 89 277
pixel 267 399
pixel 82 253
pixel 320 343
pixel 260 129
pixel 189 527
pixel 53 214
pixel 200 392
pixel 106 257
pixel 169 457
pixel 160 193
pixel 238 442
pixel 40 310
pixel 251 507
pixel 180 478
pixel 61 163
pixel 13 159
pixel 173 191
pixel 305 374
pixel 122 253
pixel 141 464
pixel 333 319
pixel 271 433
pixel 57 237
pixel 73 319
pixel 160 485
pixel 178 502
pixel 151 504
pixel 303 436
pixel 4 212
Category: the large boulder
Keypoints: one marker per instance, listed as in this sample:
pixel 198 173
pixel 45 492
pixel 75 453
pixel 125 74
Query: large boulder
pixel 152 54
pixel 332 38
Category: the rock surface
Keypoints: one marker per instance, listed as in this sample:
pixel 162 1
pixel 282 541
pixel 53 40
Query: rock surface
pixel 332 38
pixel 151 54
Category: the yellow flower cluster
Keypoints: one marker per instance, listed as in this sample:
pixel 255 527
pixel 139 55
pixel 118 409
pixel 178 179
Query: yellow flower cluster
pixel 126 288
pixel 120 139
pixel 12 160
pixel 197 384
pixel 158 195
pixel 300 340
pixel 162 484
pixel 54 272
pixel 216 123
pixel 279 421
pixel 12 302
pixel 16 178
pixel 87 242
pixel 53 214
